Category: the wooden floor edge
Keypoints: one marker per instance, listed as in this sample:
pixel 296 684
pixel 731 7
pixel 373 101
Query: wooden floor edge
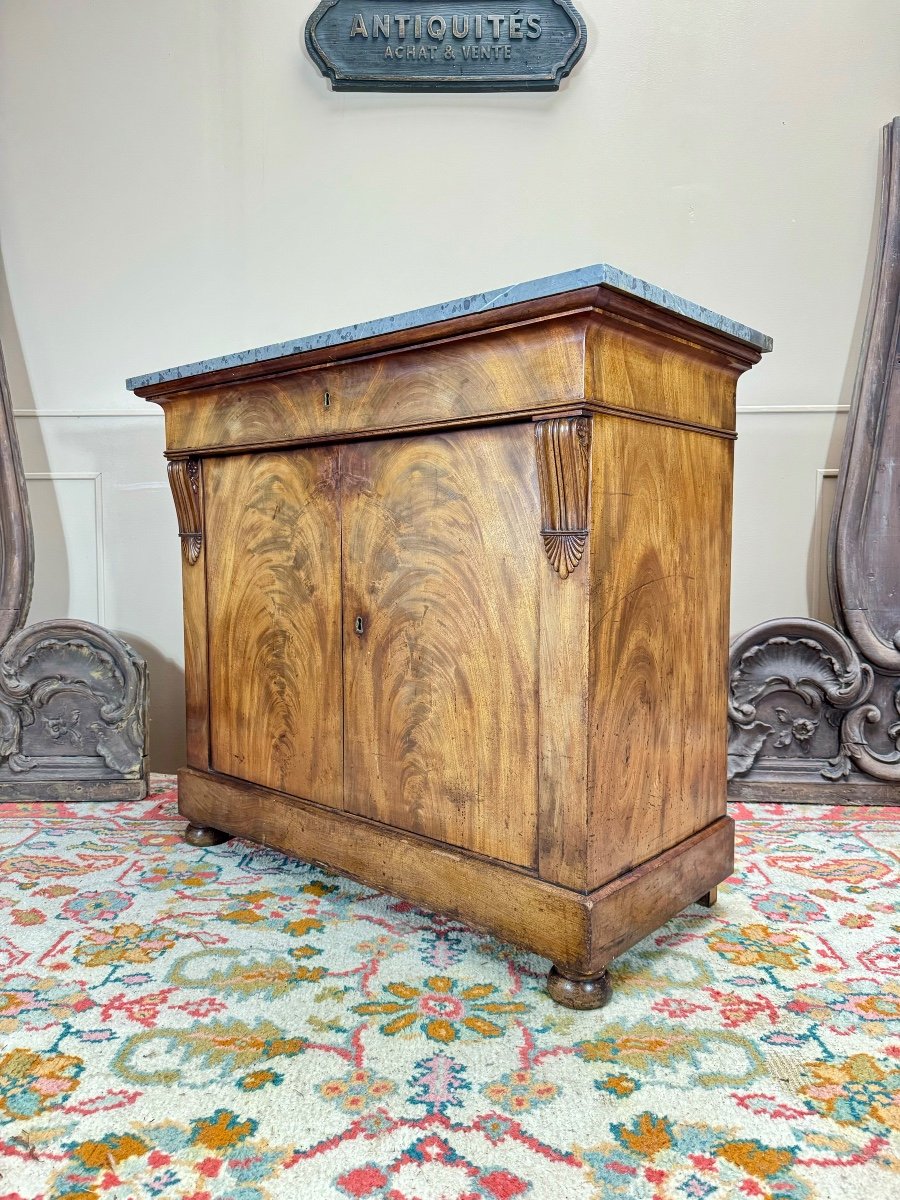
pixel 575 931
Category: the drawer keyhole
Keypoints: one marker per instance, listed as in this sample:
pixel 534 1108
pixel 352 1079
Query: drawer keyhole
pixel 359 625
pixel 326 399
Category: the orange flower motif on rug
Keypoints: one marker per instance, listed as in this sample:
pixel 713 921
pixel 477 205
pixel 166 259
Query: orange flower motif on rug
pixel 442 1010
pixel 758 945
pixel 856 1089
pixel 31 1083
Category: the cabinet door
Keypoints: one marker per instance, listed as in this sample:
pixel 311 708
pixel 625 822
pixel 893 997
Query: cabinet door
pixel 273 532
pixel 441 554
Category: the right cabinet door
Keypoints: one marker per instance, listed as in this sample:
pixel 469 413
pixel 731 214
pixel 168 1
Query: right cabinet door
pixel 441 551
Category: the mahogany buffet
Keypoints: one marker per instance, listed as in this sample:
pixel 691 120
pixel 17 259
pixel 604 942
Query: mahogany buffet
pixel 456 606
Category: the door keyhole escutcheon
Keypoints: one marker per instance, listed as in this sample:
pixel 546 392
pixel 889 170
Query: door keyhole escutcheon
pixel 358 626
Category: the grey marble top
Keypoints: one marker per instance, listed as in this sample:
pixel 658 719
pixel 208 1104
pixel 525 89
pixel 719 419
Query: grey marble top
pixel 551 285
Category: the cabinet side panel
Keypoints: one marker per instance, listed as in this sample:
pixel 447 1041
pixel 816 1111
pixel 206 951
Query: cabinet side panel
pixel 659 639
pixel 441 550
pixel 274 596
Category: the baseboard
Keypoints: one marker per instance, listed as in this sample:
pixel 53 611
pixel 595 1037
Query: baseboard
pixel 770 791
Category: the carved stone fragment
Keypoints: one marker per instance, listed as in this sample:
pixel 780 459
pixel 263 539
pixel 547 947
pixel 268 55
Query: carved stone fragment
pixel 813 705
pixel 73 696
pixel 804 659
pixel 72 701
pixel 563 450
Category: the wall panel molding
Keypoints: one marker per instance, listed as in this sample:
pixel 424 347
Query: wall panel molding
pixel 792 408
pixel 97 478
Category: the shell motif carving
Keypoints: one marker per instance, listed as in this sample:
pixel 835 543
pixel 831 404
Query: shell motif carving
pixel 564 551
pixel 563 452
pixel 814 666
pixel 184 480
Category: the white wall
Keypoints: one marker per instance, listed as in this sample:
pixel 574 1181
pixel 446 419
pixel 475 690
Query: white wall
pixel 177 181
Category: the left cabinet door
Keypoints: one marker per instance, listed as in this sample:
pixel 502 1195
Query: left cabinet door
pixel 273 561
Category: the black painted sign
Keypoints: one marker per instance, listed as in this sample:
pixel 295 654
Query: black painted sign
pixel 376 45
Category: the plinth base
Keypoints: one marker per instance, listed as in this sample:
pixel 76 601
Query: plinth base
pixel 579 932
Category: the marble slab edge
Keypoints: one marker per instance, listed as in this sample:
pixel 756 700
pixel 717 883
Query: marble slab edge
pixel 535 289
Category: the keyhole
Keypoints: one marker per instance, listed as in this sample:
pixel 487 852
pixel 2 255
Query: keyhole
pixel 359 625
pixel 327 399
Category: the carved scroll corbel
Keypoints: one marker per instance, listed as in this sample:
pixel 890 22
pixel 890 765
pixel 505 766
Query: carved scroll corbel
pixel 563 451
pixel 184 480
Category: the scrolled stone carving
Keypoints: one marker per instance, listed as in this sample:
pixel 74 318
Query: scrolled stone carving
pixel 71 692
pixel 805 658
pixel 813 705
pixel 73 696
pixel 802 656
pixel 865 563
pixel 882 766
pixel 16 543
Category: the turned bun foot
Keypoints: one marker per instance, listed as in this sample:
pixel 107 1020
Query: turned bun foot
pixel 201 835
pixel 710 898
pixel 579 993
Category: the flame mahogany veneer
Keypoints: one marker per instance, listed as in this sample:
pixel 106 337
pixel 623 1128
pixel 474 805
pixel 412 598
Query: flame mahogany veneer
pixel 456 614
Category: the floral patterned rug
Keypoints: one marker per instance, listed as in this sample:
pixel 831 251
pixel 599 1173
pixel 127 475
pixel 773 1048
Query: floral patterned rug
pixel 230 1023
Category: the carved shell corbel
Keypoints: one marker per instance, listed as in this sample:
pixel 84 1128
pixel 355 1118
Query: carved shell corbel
pixel 563 452
pixel 184 480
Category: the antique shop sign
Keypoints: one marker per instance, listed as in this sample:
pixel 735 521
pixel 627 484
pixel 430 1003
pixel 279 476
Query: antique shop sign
pixel 377 45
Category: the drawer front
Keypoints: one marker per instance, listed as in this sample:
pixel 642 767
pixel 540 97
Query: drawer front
pixel 506 372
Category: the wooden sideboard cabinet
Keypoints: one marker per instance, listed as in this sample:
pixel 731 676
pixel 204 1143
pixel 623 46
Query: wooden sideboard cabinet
pixel 456 606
